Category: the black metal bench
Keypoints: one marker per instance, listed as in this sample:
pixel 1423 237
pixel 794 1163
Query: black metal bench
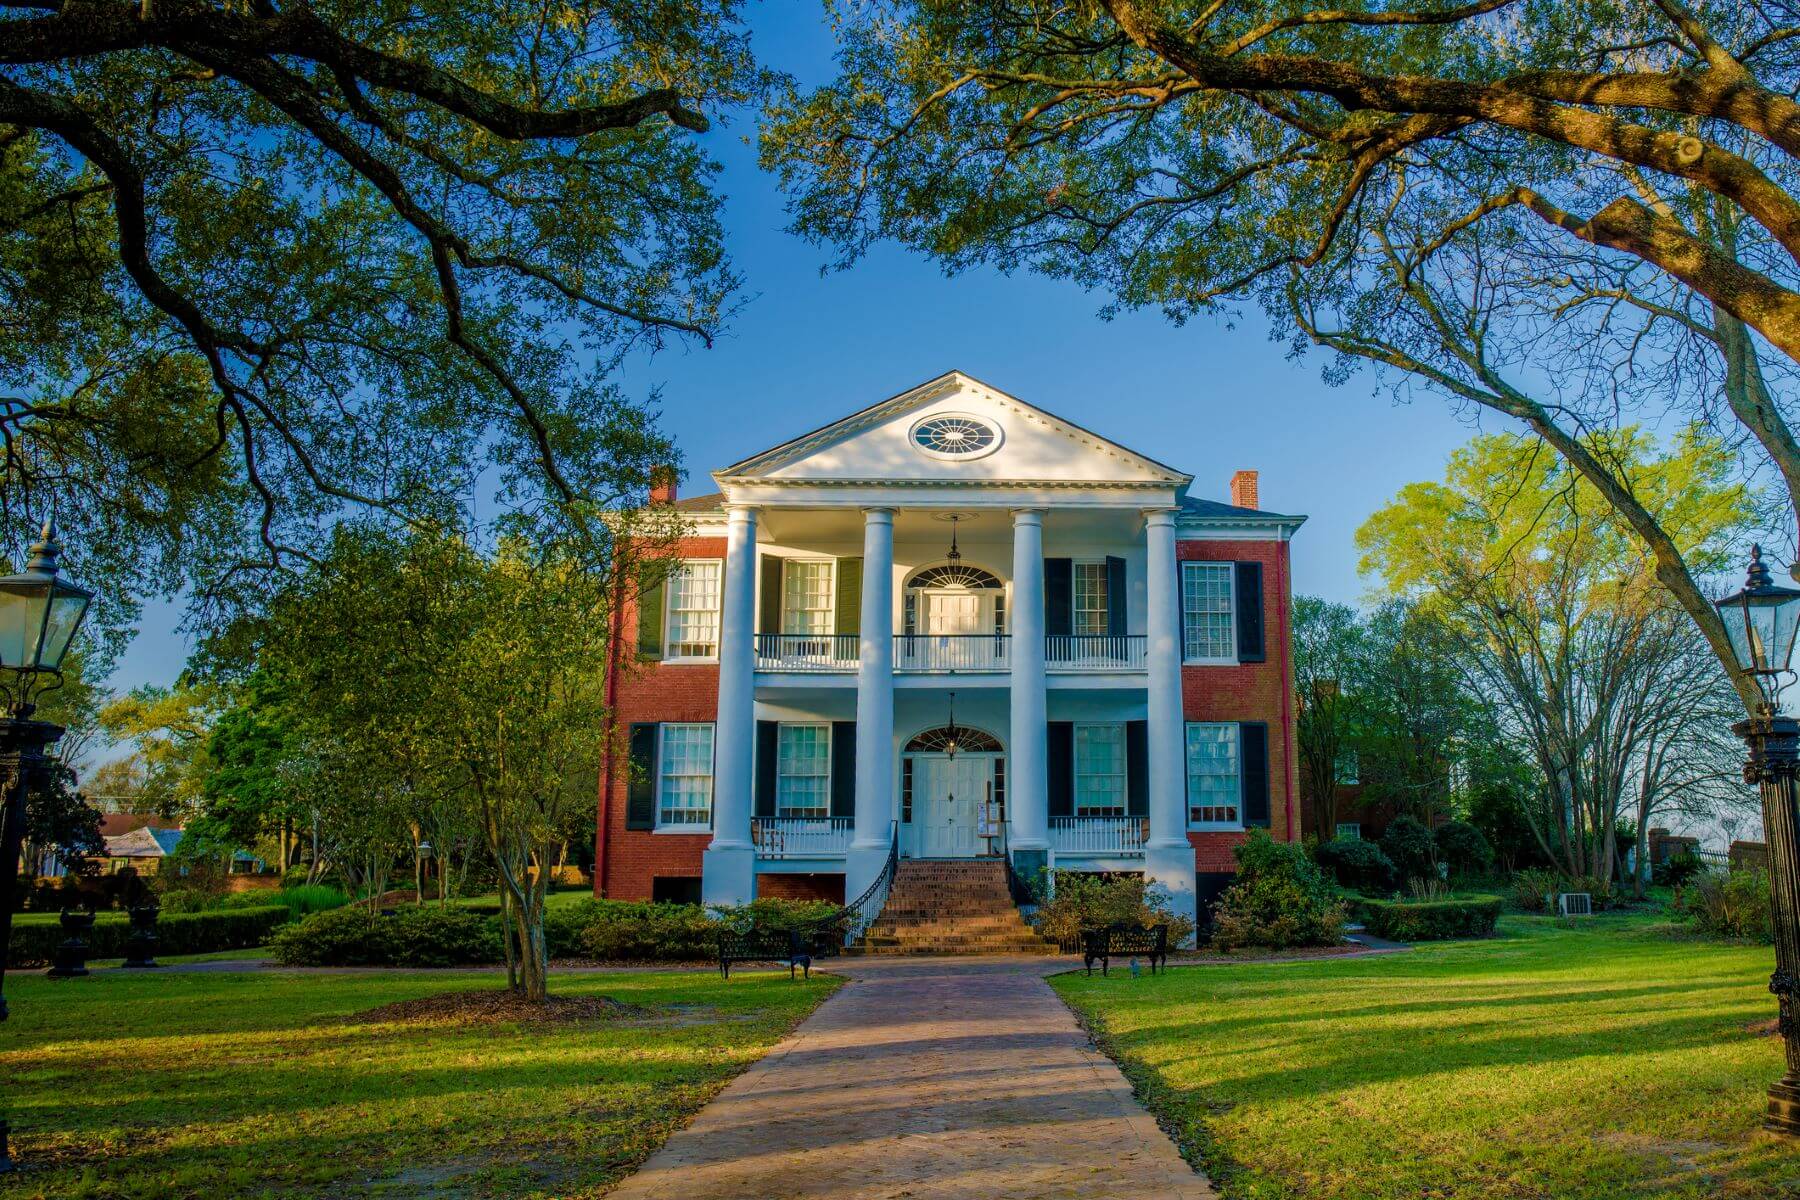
pixel 766 945
pixel 1120 941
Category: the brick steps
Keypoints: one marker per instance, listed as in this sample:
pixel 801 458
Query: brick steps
pixel 940 907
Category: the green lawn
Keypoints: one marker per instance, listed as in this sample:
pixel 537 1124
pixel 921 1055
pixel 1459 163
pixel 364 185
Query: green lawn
pixel 177 1085
pixel 1548 1063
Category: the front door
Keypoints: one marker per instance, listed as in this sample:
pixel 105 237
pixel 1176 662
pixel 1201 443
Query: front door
pixel 954 612
pixel 947 798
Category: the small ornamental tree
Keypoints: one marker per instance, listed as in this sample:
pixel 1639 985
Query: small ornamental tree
pixel 1462 848
pixel 1409 847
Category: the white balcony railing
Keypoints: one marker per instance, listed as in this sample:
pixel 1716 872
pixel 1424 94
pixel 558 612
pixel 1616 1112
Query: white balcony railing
pixel 806 651
pixel 1098 836
pixel 1094 652
pixel 952 652
pixel 801 837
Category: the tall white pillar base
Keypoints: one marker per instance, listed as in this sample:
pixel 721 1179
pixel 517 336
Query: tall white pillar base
pixel 862 865
pixel 728 875
pixel 1170 871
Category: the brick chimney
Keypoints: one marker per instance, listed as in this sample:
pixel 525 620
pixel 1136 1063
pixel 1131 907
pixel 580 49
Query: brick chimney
pixel 1243 489
pixel 663 480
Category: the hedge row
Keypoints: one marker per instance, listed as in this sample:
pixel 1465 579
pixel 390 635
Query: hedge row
pixel 1430 921
pixel 34 945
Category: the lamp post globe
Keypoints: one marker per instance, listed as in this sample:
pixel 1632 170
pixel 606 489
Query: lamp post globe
pixel 40 613
pixel 1761 620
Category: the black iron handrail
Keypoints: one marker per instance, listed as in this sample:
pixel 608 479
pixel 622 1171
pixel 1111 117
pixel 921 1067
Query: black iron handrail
pixel 1017 887
pixel 856 916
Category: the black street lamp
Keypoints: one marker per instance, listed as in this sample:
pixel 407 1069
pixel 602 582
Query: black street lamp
pixel 1761 621
pixel 39 615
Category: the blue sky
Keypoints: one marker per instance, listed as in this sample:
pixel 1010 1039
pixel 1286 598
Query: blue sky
pixel 807 348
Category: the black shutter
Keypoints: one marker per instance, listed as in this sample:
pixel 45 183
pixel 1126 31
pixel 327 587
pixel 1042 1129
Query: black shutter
pixel 1059 597
pixel 1115 596
pixel 1137 768
pixel 640 788
pixel 650 621
pixel 768 620
pixel 1250 612
pixel 843 768
pixel 1253 763
pixel 768 734
pixel 849 595
pixel 1059 767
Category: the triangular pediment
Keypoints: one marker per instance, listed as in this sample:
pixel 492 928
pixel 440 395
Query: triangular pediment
pixel 953 429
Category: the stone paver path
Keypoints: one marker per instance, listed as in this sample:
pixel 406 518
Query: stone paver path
pixel 926 1079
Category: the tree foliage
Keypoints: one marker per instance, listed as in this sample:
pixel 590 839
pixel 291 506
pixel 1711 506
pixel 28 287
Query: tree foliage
pixel 265 264
pixel 1576 214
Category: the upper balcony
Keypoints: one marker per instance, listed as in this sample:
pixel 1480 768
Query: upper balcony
pixel 950 654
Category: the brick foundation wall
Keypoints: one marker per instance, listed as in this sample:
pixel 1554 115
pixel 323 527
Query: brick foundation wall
pixel 829 888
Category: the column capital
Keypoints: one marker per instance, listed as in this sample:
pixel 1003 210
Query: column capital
pixel 1028 516
pixel 740 511
pixel 876 515
pixel 1160 516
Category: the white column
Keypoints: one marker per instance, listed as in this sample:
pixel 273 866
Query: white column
pixel 1168 857
pixel 1027 794
pixel 728 869
pixel 874 707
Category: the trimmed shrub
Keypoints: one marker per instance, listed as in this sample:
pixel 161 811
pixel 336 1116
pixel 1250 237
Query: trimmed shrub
pixel 1357 864
pixel 636 930
pixel 1463 847
pixel 1432 921
pixel 1281 898
pixel 189 900
pixel 1408 845
pixel 178 933
pixel 413 937
pixel 1089 901
pixel 778 915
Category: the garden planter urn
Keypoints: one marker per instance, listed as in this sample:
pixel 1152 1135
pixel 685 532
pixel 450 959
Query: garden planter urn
pixel 70 959
pixel 140 944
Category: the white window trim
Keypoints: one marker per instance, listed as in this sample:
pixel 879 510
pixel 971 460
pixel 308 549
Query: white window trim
pixel 669 655
pixel 1354 826
pixel 831 608
pixel 1106 598
pixel 712 783
pixel 1124 772
pixel 1237 737
pixel 1230 659
pixel 826 726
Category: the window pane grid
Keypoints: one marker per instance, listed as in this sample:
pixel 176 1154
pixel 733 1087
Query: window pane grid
pixel 807 599
pixel 1090 598
pixel 685 794
pixel 1212 773
pixel 1099 770
pixel 694 610
pixel 803 771
pixel 1208 628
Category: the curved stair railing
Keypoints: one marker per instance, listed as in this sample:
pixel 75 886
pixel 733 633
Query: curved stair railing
pixel 856 917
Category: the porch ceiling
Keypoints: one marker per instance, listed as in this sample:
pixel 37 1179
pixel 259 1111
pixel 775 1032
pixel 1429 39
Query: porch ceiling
pixel 929 526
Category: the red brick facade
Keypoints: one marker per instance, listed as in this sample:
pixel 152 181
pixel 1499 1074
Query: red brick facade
pixel 631 861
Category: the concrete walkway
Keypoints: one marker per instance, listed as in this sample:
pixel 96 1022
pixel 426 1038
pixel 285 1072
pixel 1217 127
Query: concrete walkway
pixel 926 1078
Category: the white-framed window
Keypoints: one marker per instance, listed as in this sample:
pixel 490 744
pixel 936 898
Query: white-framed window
pixel 1214 783
pixel 1099 770
pixel 807 599
pixel 693 627
pixel 1089 610
pixel 803 771
pixel 1208 626
pixel 1346 770
pixel 685 776
pixel 1349 829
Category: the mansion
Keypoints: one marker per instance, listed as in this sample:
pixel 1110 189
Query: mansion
pixel 952 626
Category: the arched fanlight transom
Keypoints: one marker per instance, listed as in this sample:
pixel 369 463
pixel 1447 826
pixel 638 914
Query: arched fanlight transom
pixel 968 741
pixel 955 575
